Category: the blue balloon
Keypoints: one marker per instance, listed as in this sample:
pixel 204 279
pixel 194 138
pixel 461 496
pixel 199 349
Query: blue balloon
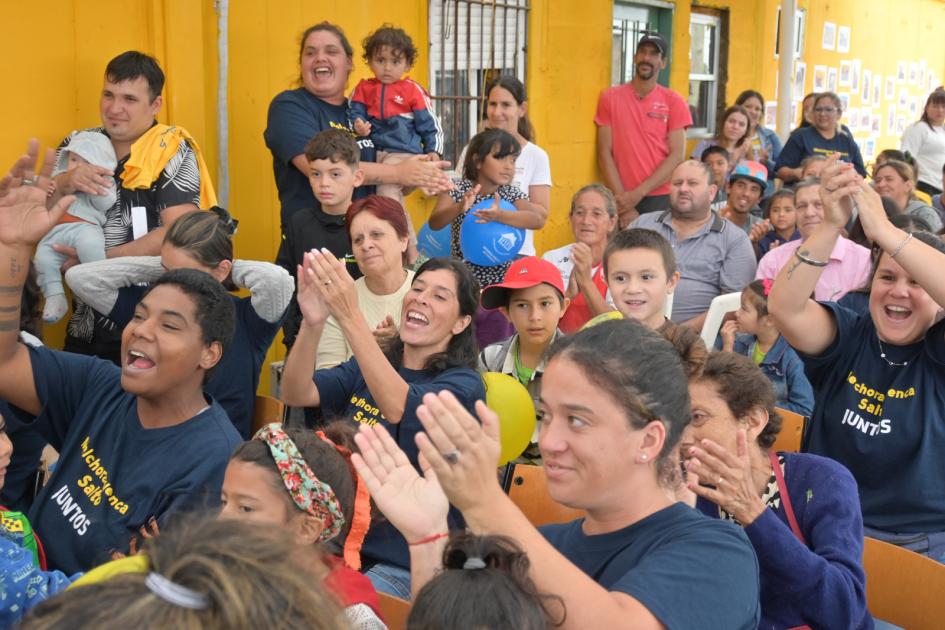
pixel 492 243
pixel 434 243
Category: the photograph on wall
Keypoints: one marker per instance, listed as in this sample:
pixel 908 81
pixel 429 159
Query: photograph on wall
pixel 913 73
pixel 829 41
pixel 853 118
pixel 867 81
pixel 800 76
pixel 891 121
pixel 846 71
pixel 831 79
pixel 844 101
pixel 901 72
pixel 843 39
pixel 913 107
pixel 866 118
pixel 820 78
pixel 869 148
pixel 855 76
pixel 877 90
pixel 903 98
pixel 771 114
pixel 890 88
pixel 922 69
pixel 875 123
pixel 900 125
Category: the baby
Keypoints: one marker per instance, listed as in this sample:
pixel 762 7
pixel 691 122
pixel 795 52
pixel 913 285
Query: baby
pixel 81 227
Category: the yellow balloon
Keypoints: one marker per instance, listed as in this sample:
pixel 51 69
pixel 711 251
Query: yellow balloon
pixel 512 402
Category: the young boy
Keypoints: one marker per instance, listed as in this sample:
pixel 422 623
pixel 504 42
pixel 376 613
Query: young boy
pixel 640 268
pixel 532 297
pixel 334 158
pixel 393 109
pixel 719 162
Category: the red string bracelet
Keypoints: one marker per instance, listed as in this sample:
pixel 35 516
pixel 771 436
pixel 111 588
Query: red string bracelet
pixel 429 539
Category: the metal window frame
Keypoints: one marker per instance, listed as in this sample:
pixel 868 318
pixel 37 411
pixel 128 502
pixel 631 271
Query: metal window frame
pixel 713 78
pixel 622 17
pixel 461 94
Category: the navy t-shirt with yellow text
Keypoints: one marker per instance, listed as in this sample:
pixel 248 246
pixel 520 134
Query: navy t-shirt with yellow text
pixel 807 142
pixel 885 423
pixel 344 394
pixel 113 475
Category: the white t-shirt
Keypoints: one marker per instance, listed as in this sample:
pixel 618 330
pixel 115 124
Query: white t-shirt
pixel 561 258
pixel 532 168
pixel 927 145
pixel 333 348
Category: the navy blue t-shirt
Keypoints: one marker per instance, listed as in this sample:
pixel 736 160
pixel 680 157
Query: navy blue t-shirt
pixel 234 380
pixel 808 141
pixel 344 394
pixel 295 117
pixel 113 474
pixel 885 423
pixel 688 570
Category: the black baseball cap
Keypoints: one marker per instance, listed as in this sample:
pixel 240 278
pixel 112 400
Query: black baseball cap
pixel 652 37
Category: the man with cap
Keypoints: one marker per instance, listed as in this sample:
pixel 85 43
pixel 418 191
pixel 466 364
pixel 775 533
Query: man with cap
pixel 641 133
pixel 745 186
pixel 713 255
pixel 532 297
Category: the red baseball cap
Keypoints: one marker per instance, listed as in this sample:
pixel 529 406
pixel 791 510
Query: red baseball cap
pixel 524 273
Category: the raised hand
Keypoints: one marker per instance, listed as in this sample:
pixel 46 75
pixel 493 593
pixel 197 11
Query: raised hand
pixel 311 303
pixel 492 213
pixel 334 284
pixel 362 127
pixel 386 330
pixel 469 198
pixel 24 218
pixel 838 182
pixel 415 505
pixel 463 453
pixel 429 175
pixel 758 230
pixel 727 333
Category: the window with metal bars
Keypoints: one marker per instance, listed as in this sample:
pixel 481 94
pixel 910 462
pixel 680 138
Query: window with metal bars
pixel 471 43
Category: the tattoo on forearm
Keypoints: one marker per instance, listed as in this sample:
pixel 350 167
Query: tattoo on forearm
pixel 6 325
pixel 15 267
pixel 10 309
pixel 794 265
pixel 8 290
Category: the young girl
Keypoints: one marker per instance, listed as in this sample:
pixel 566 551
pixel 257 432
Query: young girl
pixel 303 482
pixel 761 341
pixel 487 174
pixel 201 240
pixel 734 133
pixel 783 219
pixel 640 268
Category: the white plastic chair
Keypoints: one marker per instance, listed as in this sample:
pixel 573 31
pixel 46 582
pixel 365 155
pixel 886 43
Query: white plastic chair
pixel 720 305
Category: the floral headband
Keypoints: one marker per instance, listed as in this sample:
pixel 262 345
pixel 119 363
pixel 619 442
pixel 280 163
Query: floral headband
pixel 308 493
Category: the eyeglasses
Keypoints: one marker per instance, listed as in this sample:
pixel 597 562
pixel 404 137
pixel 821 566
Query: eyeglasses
pixel 824 110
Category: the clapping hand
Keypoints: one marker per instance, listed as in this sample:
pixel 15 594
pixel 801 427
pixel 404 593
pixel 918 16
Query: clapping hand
pixel 386 330
pixel 335 284
pixel 838 182
pixel 311 303
pixel 492 213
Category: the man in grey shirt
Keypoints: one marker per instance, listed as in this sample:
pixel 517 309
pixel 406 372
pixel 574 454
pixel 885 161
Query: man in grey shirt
pixel 713 255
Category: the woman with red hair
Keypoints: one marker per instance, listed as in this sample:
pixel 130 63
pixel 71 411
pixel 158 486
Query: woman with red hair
pixel 377 227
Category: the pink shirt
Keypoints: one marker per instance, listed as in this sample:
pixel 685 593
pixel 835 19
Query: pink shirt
pixel 640 129
pixel 848 269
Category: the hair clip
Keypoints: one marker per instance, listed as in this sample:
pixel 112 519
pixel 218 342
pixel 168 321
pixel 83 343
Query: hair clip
pixel 226 218
pixel 474 563
pixel 174 593
pixel 767 283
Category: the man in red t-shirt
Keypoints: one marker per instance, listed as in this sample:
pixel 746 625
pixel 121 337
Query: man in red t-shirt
pixel 641 134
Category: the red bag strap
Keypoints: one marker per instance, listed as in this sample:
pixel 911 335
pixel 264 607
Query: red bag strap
pixel 785 497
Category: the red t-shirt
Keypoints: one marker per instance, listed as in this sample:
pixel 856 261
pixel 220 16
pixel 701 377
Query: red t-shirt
pixel 579 313
pixel 349 586
pixel 640 129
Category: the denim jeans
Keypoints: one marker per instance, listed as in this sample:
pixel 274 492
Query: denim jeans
pixel 387 578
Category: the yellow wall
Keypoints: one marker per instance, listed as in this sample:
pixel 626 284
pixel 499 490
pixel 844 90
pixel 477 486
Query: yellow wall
pixel 56 56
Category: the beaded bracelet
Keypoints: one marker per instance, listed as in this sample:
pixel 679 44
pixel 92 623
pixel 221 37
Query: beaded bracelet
pixel 901 245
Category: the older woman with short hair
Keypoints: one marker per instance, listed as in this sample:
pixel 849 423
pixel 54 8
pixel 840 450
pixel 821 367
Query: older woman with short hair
pixel 800 511
pixel 378 231
pixel 593 219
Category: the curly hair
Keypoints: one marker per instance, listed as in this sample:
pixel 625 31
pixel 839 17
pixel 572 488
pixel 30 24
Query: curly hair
pixel 396 39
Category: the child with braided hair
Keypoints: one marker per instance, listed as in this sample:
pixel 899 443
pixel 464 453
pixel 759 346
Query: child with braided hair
pixel 303 482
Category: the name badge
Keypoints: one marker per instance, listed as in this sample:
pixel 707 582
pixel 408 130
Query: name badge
pixel 139 222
